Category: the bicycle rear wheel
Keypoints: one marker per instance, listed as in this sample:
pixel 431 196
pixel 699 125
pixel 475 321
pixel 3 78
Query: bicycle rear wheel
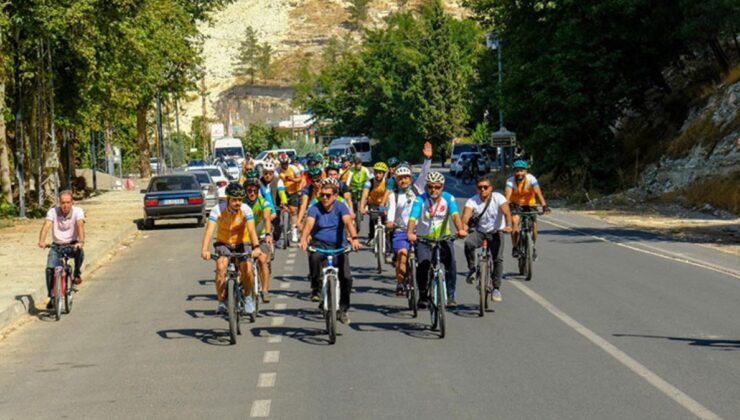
pixel 441 299
pixel 379 240
pixel 483 274
pixel 58 294
pixel 69 294
pixel 231 311
pixel 256 288
pixel 528 265
pixel 285 222
pixel 331 313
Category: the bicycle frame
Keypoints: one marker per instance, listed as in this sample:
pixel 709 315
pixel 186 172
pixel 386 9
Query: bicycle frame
pixel 62 279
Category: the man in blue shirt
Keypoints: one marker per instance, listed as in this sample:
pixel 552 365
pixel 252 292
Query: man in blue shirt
pixel 327 223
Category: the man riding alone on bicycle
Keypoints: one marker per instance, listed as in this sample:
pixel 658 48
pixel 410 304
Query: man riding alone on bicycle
pixel 400 201
pixel 429 219
pixel 327 225
pixel 67 224
pixel 235 223
pixel 521 191
pixel 262 211
pixel 373 195
pixel 488 217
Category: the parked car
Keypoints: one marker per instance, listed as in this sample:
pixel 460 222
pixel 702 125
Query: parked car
pixel 457 165
pixel 462 148
pixel 173 197
pixel 341 150
pixel 261 156
pixel 196 163
pixel 153 164
pixel 218 176
pixel 208 187
pixel 234 169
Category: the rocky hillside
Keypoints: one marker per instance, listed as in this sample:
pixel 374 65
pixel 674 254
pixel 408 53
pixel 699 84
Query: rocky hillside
pixel 295 29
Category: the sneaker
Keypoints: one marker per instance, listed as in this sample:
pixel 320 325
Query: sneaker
pixel 221 308
pixel 471 277
pixel 50 305
pixel 315 296
pixel 294 235
pixel 265 297
pixel 400 290
pixel 534 254
pixel 343 317
pixel 423 303
pixel 389 258
pixel 451 303
pixel 248 305
pixel 515 253
pixel 496 295
pixel 77 280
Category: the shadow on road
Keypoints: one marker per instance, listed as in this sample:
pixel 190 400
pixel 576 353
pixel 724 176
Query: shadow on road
pixel 468 311
pixel 396 312
pixel 313 336
pixel 210 337
pixel 374 290
pixel 292 278
pixel 200 313
pixel 201 297
pixel 206 282
pixel 411 329
pixel 717 344
pixel 306 314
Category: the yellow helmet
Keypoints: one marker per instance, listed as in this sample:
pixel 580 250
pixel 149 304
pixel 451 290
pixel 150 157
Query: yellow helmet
pixel 380 167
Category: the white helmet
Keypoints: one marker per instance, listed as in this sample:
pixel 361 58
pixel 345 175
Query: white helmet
pixel 329 181
pixel 403 171
pixel 434 178
pixel 268 166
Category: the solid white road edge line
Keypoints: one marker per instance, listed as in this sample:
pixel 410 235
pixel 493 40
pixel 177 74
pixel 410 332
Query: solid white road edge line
pixel 653 379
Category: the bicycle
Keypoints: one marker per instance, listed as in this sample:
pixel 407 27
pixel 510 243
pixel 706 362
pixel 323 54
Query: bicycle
pixel 379 238
pixel 285 227
pixel 256 286
pixel 356 198
pixel 330 289
pixel 234 293
pixel 62 281
pixel 525 242
pixel 410 285
pixel 437 286
pixel 483 269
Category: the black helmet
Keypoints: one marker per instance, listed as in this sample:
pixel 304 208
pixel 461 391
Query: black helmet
pixel 234 190
pixel 332 166
pixel 252 173
pixel 393 162
pixel 314 172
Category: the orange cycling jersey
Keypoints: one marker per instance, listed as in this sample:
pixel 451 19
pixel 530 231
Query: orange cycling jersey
pixel 291 187
pixel 522 193
pixel 376 192
pixel 232 225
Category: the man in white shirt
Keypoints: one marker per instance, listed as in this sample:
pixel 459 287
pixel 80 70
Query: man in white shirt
pixel 491 218
pixel 67 224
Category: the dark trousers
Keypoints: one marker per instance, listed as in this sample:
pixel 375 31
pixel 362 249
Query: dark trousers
pixel 341 261
pixel 447 257
pixel 52 261
pixel 495 244
pixel 374 219
pixel 277 229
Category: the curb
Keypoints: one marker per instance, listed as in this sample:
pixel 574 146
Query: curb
pixel 26 304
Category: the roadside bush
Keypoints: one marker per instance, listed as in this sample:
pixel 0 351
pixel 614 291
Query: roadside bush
pixel 7 210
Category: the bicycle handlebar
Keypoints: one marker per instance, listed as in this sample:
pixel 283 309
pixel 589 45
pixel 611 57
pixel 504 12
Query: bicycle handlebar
pixel 528 213
pixel 436 241
pixel 215 257
pixel 345 250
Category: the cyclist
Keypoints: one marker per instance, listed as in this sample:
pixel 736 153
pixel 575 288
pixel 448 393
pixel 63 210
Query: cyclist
pixel 313 161
pixel 357 177
pixel 488 217
pixel 429 219
pixel 293 180
pixel 274 187
pixel 233 222
pixel 67 224
pixel 332 171
pixel 327 224
pixel 346 167
pixel 262 210
pixel 400 200
pixel 373 194
pixel 523 191
pixel 310 193
pixel 392 163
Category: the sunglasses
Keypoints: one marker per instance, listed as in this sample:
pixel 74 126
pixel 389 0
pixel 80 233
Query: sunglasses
pixel 484 187
pixel 434 187
pixel 252 190
pixel 316 180
pixel 327 195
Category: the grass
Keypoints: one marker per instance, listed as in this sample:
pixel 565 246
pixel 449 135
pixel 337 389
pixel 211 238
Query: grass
pixel 720 192
pixel 732 77
pixel 702 131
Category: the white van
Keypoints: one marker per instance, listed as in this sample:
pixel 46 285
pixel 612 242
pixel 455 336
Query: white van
pixel 361 145
pixel 228 148
pixel 333 152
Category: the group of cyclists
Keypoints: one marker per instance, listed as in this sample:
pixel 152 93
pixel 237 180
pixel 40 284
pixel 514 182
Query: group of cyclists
pixel 326 198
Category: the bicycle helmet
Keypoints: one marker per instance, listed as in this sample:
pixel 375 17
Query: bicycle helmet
pixel 252 173
pixel 346 158
pixel 357 159
pixel 520 164
pixel 403 170
pixel 313 173
pixel 329 182
pixel 332 167
pixel 393 162
pixel 251 181
pixel 435 177
pixel 234 190
pixel 284 158
pixel 268 166
pixel 380 167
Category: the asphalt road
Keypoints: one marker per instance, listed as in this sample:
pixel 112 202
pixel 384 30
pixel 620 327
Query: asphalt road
pixel 614 325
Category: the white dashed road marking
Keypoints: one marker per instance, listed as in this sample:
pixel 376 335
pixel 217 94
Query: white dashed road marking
pixel 275 339
pixel 266 380
pixel 260 408
pixel 277 321
pixel 290 262
pixel 280 306
pixel 285 285
pixel 271 356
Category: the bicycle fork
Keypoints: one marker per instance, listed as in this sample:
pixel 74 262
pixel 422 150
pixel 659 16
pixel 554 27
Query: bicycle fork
pixel 329 270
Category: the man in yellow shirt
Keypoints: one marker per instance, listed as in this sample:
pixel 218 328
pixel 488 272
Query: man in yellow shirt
pixel 522 192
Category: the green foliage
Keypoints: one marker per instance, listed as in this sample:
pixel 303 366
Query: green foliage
pixel 257 138
pixel 358 12
pixel 481 134
pixel 264 61
pixel 246 62
pixel 7 210
pixel 301 146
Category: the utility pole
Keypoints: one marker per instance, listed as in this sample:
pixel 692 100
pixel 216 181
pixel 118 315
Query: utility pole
pixel 160 145
pixel 204 120
pixel 93 161
pixel 19 146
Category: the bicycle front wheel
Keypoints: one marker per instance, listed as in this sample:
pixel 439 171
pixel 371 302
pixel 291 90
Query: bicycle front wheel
pixel 231 311
pixel 528 265
pixel 379 249
pixel 285 222
pixel 58 293
pixel 483 286
pixel 68 294
pixel 441 299
pixel 256 288
pixel 331 313
pixel 412 289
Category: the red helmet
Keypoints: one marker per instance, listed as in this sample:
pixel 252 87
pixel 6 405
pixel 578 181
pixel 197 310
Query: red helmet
pixel 284 158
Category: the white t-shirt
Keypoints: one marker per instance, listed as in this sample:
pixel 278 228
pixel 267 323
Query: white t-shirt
pixel 64 229
pixel 494 218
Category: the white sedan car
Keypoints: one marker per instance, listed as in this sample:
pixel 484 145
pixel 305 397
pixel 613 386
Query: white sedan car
pixel 219 178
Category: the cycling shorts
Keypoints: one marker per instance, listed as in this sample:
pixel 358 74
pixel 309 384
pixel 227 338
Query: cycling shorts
pixel 294 200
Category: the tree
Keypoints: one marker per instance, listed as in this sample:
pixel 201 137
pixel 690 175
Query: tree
pixel 358 12
pixel 5 183
pixel 264 61
pixel 246 62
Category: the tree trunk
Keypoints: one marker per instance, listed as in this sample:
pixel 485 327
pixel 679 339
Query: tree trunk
pixel 7 189
pixel 142 142
pixel 719 55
